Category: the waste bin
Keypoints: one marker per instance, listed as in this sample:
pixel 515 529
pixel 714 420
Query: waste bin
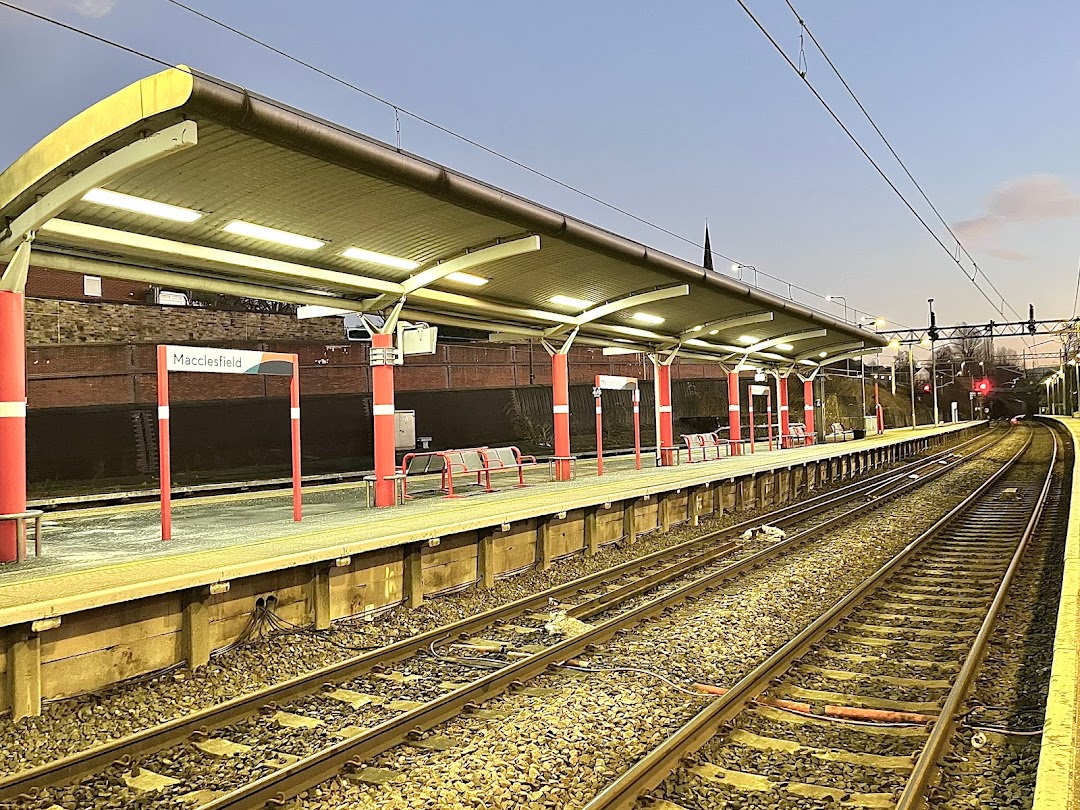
pixel 869 425
pixel 858 433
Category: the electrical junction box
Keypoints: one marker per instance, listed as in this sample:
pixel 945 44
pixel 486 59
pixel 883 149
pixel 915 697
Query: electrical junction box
pixel 404 430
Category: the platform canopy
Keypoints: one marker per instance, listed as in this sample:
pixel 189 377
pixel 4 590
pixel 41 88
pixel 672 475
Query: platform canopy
pixel 189 182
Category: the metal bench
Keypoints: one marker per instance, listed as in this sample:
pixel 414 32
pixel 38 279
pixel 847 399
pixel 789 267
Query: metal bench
pixel 839 433
pixel 481 461
pixel 508 458
pixel 706 446
pixel 797 436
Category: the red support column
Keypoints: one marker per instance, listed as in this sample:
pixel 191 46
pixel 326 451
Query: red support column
pixel 808 408
pixel 599 433
pixel 294 421
pixel 734 414
pixel 663 391
pixel 782 406
pixel 382 408
pixel 637 429
pixel 12 418
pixel 164 454
pixel 560 399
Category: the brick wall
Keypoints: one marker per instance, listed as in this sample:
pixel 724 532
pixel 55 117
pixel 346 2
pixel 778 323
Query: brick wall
pixel 60 323
pixel 89 353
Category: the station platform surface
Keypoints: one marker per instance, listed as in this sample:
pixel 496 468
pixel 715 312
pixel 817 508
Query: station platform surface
pixel 103 556
pixel 1058 784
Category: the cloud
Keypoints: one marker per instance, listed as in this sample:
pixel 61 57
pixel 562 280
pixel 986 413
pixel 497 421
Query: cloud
pixel 93 9
pixel 1035 198
pixel 1009 255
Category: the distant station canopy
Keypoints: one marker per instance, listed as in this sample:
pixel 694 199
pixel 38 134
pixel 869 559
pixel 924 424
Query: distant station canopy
pixel 188 182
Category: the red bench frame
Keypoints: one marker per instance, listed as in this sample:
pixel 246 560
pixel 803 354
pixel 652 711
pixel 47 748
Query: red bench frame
pixel 480 460
pixel 703 442
pixel 798 437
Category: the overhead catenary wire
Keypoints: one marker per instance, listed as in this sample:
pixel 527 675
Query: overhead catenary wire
pixel 803 27
pixel 877 166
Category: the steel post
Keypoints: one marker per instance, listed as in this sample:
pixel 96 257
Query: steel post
pixel 294 422
pixel 164 455
pixel 782 407
pixel 663 393
pixel 808 406
pixel 734 414
pixel 382 384
pixel 12 418
pixel 560 398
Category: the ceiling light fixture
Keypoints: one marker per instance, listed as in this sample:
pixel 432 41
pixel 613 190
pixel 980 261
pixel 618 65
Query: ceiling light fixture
pixel 823 354
pixel 569 301
pixel 138 205
pixel 748 339
pixel 468 278
pixel 645 317
pixel 384 259
pixel 784 347
pixel 252 231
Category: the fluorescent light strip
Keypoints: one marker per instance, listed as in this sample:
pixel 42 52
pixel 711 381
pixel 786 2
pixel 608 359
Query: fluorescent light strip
pixel 748 339
pixel 384 259
pixel 784 347
pixel 137 205
pixel 468 278
pixel 573 303
pixel 645 317
pixel 252 231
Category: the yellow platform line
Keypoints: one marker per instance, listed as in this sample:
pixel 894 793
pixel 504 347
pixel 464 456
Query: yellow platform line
pixel 1057 786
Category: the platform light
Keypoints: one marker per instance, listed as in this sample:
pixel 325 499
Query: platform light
pixel 894 343
pixel 570 301
pixel 698 328
pixel 645 317
pixel 879 322
pixel 784 347
pixel 925 341
pixel 748 339
pixel 823 354
pixel 714 331
pixel 253 231
pixel 138 205
pixel 384 259
pixel 468 278
pixel 696 342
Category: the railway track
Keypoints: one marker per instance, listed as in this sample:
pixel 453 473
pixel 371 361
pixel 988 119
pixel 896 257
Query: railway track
pixel 351 711
pixel 858 709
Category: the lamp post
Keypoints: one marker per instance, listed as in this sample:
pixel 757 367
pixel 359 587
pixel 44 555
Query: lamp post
pixel 737 269
pixel 832 298
pixel 932 333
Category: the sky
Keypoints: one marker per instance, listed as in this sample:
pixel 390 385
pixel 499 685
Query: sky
pixel 678 112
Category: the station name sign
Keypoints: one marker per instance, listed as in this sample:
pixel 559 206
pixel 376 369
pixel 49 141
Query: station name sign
pixel 227 361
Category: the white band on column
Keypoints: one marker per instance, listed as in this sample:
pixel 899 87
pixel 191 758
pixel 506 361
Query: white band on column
pixel 665 409
pixel 560 409
pixel 635 408
pixel 162 411
pixel 808 407
pixel 783 407
pixel 732 408
pixel 599 410
pixel 382 410
pixel 12 410
pixel 294 413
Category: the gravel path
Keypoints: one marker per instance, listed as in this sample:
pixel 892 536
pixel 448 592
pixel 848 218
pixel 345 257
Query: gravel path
pixel 560 751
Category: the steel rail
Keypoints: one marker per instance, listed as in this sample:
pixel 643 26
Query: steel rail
pixel 172 732
pixel 926 766
pixel 276 788
pixel 655 766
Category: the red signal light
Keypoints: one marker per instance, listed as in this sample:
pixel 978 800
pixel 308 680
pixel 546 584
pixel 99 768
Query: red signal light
pixel 982 386
pixel 926 388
